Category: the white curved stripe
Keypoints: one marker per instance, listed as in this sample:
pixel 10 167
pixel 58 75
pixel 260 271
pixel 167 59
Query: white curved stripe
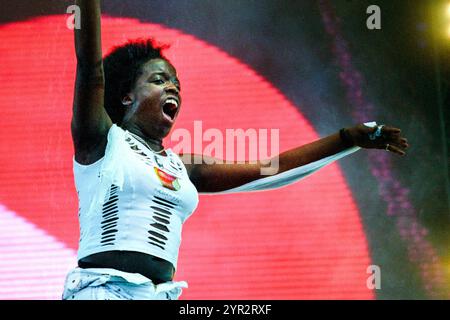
pixel 33 264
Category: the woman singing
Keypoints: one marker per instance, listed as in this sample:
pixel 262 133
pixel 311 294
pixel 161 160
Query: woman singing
pixel 134 194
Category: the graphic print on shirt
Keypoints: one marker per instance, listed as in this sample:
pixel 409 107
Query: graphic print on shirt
pixel 165 170
pixel 110 217
pixel 161 215
pixel 168 181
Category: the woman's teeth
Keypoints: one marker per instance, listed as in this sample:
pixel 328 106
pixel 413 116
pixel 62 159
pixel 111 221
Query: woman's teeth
pixel 172 101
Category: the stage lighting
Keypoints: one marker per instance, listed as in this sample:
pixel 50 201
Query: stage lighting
pixel 447 13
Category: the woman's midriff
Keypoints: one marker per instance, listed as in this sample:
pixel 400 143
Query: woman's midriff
pixel 154 268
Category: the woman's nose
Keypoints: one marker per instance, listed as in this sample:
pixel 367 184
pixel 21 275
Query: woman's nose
pixel 171 87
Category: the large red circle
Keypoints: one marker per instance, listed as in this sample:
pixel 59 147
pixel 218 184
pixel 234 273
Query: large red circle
pixel 304 241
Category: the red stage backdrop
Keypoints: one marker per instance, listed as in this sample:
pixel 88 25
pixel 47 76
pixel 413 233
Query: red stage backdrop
pixel 305 241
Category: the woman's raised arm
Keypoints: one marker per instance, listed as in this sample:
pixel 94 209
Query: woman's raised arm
pixel 90 121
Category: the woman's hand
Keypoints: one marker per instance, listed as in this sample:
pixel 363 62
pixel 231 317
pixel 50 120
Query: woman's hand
pixel 389 138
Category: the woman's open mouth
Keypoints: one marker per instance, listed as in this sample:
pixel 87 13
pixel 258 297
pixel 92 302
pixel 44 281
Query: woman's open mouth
pixel 170 109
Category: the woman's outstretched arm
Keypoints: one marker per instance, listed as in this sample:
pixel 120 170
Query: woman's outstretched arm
pixel 211 176
pixel 90 122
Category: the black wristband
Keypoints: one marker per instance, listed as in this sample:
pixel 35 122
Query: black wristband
pixel 346 138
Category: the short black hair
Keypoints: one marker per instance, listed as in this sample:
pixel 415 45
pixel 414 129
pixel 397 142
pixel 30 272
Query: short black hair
pixel 122 67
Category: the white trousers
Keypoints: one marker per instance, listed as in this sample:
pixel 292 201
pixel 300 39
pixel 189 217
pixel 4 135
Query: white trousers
pixel 111 284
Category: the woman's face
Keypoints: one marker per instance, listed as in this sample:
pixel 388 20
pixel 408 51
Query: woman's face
pixel 155 101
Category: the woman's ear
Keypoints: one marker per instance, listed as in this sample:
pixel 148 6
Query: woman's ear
pixel 128 100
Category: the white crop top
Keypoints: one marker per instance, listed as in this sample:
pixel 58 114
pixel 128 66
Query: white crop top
pixel 133 199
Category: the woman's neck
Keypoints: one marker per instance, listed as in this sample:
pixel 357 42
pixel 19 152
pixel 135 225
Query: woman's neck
pixel 154 143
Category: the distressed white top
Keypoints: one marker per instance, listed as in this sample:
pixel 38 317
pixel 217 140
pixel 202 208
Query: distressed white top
pixel 133 199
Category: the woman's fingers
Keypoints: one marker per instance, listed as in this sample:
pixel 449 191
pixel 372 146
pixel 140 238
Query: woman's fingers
pixel 394 141
pixel 400 143
pixel 403 142
pixel 392 136
pixel 394 149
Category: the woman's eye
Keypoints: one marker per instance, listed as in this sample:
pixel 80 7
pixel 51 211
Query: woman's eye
pixel 158 81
